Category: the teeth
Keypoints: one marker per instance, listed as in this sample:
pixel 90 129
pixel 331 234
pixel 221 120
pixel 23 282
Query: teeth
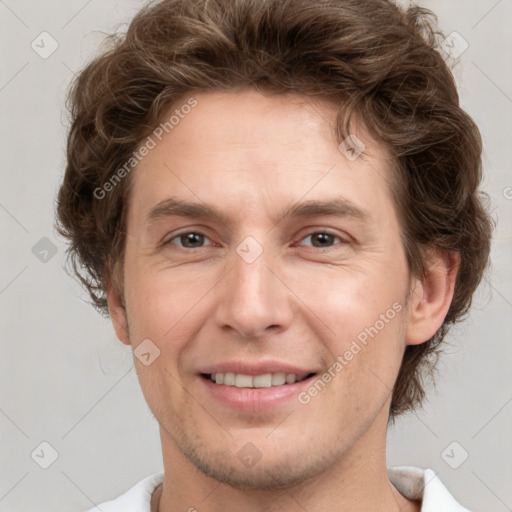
pixel 243 381
pixel 278 379
pixel 265 380
pixel 229 379
pixel 262 381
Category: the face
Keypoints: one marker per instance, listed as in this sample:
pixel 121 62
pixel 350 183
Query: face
pixel 264 267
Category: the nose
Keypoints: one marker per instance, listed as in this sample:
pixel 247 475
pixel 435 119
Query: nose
pixel 253 299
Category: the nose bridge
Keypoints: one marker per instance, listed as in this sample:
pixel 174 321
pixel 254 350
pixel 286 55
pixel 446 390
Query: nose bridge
pixel 252 298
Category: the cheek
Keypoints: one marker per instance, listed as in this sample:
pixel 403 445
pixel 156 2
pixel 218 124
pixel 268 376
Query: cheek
pixel 367 355
pixel 348 300
pixel 162 300
pixel 363 316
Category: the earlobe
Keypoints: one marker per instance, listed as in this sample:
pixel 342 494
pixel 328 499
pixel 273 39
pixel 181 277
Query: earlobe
pixel 118 314
pixel 431 297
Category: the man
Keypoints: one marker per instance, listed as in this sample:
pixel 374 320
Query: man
pixel 277 204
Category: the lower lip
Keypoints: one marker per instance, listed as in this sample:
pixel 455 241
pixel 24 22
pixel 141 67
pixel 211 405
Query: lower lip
pixel 254 399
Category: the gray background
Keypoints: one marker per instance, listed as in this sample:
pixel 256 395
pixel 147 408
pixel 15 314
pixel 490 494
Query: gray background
pixel 67 381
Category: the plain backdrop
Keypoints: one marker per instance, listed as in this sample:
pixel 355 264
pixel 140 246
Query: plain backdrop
pixel 67 381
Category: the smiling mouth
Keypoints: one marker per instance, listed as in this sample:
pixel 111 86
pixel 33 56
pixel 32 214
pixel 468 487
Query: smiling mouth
pixel 265 380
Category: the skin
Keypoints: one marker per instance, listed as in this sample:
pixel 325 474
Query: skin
pixel 251 156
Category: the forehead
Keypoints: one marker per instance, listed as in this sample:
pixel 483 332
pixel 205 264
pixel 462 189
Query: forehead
pixel 248 150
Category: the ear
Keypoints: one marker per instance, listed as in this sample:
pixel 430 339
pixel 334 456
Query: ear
pixel 431 296
pixel 117 312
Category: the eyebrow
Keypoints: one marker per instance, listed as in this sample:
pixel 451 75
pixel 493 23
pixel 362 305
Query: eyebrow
pixel 336 207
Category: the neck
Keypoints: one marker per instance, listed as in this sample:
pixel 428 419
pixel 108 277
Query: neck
pixel 357 482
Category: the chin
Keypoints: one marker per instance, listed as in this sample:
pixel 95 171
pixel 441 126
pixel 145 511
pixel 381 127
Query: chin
pixel 283 470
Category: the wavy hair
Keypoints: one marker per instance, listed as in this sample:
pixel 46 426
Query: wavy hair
pixel 371 58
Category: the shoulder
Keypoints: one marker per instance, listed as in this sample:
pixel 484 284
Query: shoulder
pixel 424 484
pixel 136 499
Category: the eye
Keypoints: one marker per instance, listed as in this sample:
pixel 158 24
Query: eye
pixel 322 239
pixel 188 240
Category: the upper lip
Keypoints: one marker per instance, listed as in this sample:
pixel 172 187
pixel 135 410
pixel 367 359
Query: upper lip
pixel 256 368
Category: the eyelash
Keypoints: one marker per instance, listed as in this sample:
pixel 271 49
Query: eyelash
pixel 179 235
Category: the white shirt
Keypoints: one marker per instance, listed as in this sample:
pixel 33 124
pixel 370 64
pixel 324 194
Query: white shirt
pixel 414 483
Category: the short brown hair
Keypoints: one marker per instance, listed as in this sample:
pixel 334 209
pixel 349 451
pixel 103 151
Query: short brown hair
pixel 370 57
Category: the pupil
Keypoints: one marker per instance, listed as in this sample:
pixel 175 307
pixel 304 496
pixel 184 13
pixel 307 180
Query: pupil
pixel 192 239
pixel 323 238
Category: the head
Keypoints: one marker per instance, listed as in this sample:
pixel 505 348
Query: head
pixel 337 224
